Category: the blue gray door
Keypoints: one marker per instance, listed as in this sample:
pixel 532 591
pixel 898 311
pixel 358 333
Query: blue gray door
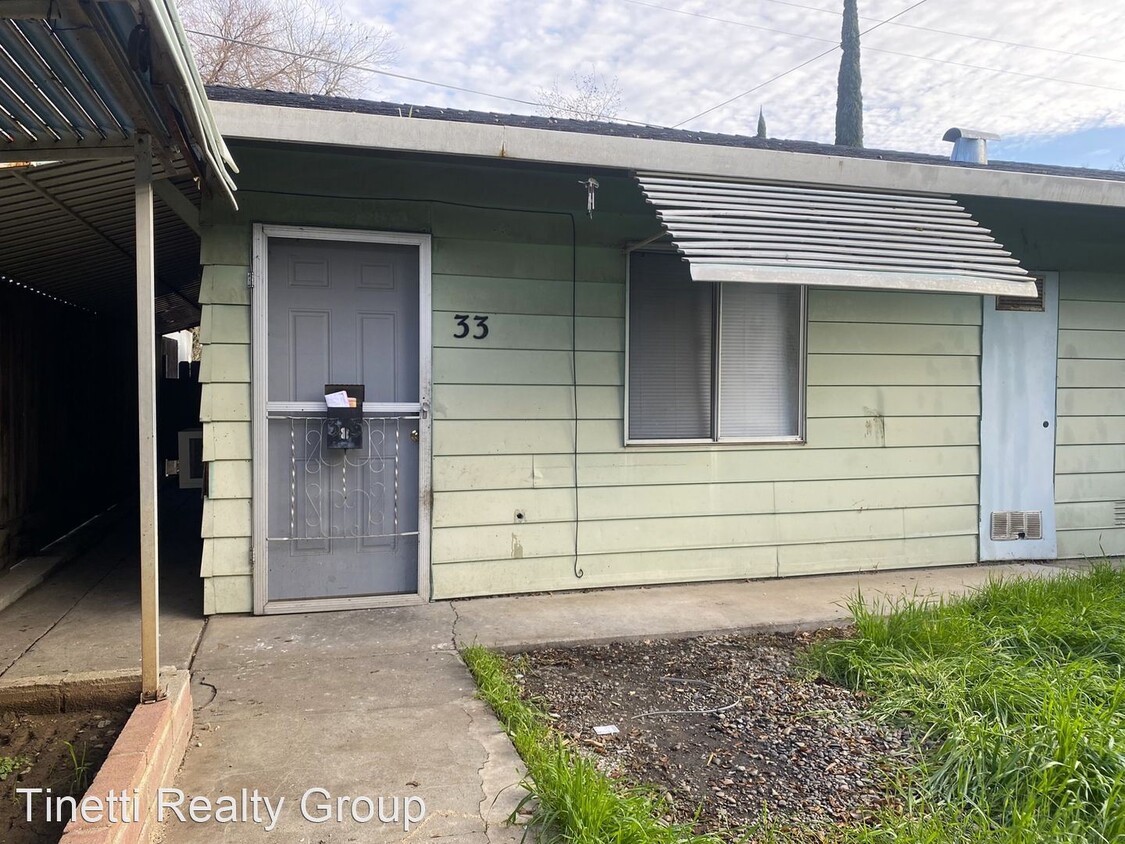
pixel 1017 426
pixel 342 522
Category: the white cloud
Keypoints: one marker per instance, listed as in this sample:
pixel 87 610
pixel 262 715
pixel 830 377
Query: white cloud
pixel 671 66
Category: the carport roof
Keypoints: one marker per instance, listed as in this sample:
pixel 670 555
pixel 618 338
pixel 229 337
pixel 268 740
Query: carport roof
pixel 66 229
pixel 80 82
pixel 81 79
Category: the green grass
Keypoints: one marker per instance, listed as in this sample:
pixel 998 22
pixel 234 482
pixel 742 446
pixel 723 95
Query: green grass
pixel 1019 692
pixel 574 801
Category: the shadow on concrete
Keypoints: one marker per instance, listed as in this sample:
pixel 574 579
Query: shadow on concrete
pixel 86 615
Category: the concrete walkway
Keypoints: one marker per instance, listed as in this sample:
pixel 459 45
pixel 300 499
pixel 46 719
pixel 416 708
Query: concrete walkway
pixel 86 615
pixel 376 702
pixel 695 609
pixel 362 704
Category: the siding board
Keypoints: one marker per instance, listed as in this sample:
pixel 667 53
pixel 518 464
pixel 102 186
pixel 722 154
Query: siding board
pixel 527 260
pixel 1090 431
pixel 893 401
pixel 1092 345
pixel 1080 430
pixel 1106 486
pixel 1090 401
pixel 547 297
pixel 821 558
pixel 1091 373
pixel 893 339
pixel 893 370
pixel 893 307
pixel 1095 543
pixel 1097 316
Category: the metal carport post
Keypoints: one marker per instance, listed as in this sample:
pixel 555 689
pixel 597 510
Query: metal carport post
pixel 115 78
pixel 146 416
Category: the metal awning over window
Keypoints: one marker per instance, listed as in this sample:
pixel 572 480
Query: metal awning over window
pixel 789 234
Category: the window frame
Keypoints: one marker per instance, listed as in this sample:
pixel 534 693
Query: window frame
pixel 800 438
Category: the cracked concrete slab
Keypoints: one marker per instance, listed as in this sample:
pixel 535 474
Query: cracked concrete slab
pixel 363 704
pixel 236 640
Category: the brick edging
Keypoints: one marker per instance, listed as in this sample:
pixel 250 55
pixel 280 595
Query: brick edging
pixel 145 758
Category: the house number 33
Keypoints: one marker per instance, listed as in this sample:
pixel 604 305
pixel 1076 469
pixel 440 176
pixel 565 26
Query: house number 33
pixel 464 329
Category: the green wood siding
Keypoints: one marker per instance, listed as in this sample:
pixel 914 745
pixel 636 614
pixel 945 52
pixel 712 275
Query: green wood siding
pixel 224 373
pixel 888 477
pixel 1090 435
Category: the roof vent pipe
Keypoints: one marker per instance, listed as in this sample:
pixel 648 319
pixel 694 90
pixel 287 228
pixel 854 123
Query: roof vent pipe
pixel 969 144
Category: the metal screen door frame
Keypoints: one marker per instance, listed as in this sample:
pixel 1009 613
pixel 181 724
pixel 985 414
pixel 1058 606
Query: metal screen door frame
pixel 260 433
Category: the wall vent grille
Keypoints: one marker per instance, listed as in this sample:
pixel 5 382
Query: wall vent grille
pixel 1017 524
pixel 1119 513
pixel 1019 303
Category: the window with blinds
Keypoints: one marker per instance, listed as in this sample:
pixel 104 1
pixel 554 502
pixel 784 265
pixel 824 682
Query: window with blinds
pixel 711 362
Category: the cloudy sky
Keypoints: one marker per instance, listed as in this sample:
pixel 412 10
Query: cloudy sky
pixel 1047 75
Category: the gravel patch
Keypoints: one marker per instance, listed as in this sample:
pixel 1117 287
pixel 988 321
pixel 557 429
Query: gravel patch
pixel 773 740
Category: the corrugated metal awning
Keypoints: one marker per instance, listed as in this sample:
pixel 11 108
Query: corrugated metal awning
pixel 789 234
pixel 80 78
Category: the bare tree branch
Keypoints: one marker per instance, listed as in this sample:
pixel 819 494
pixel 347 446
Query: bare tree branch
pixel 303 46
pixel 589 96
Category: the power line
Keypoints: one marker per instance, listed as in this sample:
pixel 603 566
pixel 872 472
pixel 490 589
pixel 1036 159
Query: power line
pixel 934 59
pixel 794 69
pixel 392 75
pixel 836 46
pixel 937 31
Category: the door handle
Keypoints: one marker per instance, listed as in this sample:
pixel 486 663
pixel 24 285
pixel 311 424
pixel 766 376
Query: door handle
pixel 414 436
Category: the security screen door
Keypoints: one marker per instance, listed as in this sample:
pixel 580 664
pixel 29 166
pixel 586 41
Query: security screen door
pixel 342 523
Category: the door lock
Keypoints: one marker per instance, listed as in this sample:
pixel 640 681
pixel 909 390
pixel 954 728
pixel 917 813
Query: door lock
pixel 414 436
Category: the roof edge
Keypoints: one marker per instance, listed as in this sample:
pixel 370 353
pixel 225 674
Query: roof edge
pixel 283 124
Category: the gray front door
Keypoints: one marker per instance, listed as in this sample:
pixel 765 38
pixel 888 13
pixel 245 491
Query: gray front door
pixel 1019 351
pixel 343 523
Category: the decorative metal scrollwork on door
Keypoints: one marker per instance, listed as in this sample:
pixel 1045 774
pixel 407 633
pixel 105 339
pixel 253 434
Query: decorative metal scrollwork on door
pixel 337 494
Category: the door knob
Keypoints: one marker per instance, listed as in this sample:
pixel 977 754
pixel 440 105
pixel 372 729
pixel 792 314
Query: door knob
pixel 414 435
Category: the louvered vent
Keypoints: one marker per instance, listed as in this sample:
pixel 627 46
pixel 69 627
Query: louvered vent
pixel 1017 524
pixel 1119 513
pixel 1018 303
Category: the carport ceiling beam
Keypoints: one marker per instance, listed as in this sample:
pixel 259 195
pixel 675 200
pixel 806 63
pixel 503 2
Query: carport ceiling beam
pixel 183 207
pixel 66 209
pixel 44 156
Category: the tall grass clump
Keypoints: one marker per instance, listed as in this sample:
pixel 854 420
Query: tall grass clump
pixel 574 801
pixel 1019 694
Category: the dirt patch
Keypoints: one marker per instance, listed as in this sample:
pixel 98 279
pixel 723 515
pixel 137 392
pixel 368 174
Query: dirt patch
pixel 774 739
pixel 37 743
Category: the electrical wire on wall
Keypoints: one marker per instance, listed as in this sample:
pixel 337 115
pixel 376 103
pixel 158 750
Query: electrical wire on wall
pixel 579 572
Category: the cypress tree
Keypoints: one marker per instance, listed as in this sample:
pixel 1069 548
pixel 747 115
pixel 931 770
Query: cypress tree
pixel 762 124
pixel 849 85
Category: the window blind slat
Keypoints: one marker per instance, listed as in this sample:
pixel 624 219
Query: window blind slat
pixel 670 350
